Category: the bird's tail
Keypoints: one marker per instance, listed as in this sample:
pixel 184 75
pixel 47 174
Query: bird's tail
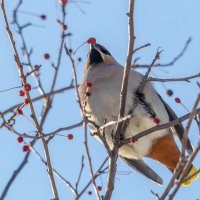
pixel 192 175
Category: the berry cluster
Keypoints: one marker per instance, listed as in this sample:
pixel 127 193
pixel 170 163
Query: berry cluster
pixel 26 147
pixel 26 88
pixel 88 85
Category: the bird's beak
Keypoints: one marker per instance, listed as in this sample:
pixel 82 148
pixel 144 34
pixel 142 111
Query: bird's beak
pixel 94 56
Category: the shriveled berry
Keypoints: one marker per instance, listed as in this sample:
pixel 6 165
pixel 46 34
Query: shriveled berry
pixel 43 17
pixel 88 94
pixel 37 68
pixel 169 93
pixel 21 93
pixel 27 87
pixel 26 101
pixel 70 137
pixel 90 192
pixel 20 139
pixel 70 51
pixel 46 56
pixel 91 40
pixel 99 188
pixel 132 140
pixel 88 84
pixel 25 148
pixel 156 120
pixel 63 27
pixel 177 100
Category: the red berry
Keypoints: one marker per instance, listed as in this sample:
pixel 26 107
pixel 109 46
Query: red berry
pixel 88 94
pixel 90 192
pixel 70 137
pixel 132 140
pixel 169 93
pixel 99 188
pixel 79 59
pixel 63 2
pixel 21 93
pixel 43 17
pixel 27 87
pixel 156 120
pixel 20 139
pixel 19 111
pixel 177 100
pixel 26 101
pixel 91 41
pixel 88 84
pixel 46 56
pixel 25 148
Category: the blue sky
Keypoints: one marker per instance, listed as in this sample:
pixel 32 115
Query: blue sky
pixel 165 24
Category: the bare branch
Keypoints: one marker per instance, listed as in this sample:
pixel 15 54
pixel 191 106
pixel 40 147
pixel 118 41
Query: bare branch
pixel 174 79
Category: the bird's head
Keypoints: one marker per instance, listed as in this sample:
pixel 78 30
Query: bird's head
pixel 98 54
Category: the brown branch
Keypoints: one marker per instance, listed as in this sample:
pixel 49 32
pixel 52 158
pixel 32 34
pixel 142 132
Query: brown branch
pixel 174 79
pixel 23 79
pixel 98 173
pixel 90 162
pixel 80 173
pixel 58 91
pixel 185 170
pixel 169 63
pixel 66 182
pixel 114 154
pixel 24 46
pixel 141 47
pixel 159 127
pixel 180 166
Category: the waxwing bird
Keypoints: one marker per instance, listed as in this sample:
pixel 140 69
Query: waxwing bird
pixel 100 95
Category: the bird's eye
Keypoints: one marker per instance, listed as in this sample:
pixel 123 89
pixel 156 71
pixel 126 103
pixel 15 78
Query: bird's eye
pixel 103 49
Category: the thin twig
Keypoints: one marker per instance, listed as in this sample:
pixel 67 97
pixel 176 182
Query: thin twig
pixel 174 79
pixel 169 63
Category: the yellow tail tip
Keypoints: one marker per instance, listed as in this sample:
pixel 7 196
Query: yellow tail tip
pixel 196 176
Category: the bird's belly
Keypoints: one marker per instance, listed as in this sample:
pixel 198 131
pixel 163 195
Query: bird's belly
pixel 141 147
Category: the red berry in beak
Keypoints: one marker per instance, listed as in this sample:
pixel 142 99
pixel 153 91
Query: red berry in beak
pixel 91 41
pixel 63 2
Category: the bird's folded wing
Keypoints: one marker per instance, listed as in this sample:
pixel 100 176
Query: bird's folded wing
pixel 178 129
pixel 140 166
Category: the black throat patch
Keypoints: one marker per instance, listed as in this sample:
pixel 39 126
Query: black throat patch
pixel 95 57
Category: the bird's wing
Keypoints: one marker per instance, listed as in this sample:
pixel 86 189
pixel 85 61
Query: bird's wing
pixel 177 129
pixel 140 166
